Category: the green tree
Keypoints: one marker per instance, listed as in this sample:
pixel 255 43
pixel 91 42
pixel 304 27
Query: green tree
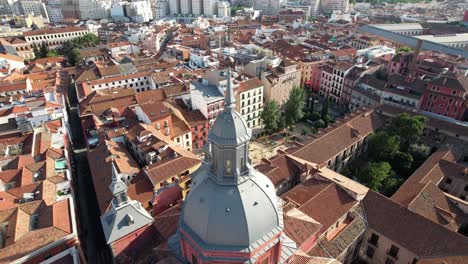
pixel 37 54
pixel 294 107
pixel 282 123
pixel 74 57
pixel 43 50
pixel 375 174
pixel 53 53
pixel 420 152
pixel 320 124
pixel 314 116
pixel 404 49
pixel 310 104
pixel 391 185
pixel 270 116
pixel 408 128
pixel 401 162
pixel 324 112
pixel 382 146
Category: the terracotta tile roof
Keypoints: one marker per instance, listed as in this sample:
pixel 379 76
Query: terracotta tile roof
pixel 31 242
pixel 299 226
pixel 279 169
pixel 249 85
pixel 98 102
pixel 194 118
pixel 335 139
pixel 48 60
pixel 169 168
pixel 105 70
pixel 314 198
pixel 19 191
pixel 167 222
pixel 155 110
pixel 10 175
pixel 53 31
pixel 8 202
pixel 411 230
pixel 141 190
pixel 101 172
pixel 429 171
pixel 176 90
pixel 444 260
pixel 150 96
pixel 431 203
pixel 7 87
pixel 123 161
pixel 179 127
pixel 11 57
pixel 61 216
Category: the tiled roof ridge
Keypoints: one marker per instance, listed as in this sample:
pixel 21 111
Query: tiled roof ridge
pixel 342 122
pixel 417 195
pixel 320 192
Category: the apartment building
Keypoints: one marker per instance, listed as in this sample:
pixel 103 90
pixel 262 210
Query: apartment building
pixel 333 81
pixel 139 81
pixel 334 5
pixel 174 7
pixel 249 100
pixel 210 7
pixel 35 8
pixel 408 240
pixel 165 163
pixel 185 7
pixel 447 95
pixel 160 116
pixel 279 80
pixel 208 99
pixel 98 9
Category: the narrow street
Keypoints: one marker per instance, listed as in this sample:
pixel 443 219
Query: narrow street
pixel 92 235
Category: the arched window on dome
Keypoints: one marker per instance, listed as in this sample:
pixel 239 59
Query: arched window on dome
pixel 228 168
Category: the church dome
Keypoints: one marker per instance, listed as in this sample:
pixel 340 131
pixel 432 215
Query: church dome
pixel 231 207
pixel 230 129
pixel 231 215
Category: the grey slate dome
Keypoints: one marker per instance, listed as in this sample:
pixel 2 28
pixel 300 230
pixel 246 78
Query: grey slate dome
pixel 230 128
pixel 231 215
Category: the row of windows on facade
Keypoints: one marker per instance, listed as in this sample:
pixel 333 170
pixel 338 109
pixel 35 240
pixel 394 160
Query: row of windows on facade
pixel 437 88
pixel 348 152
pixel 187 143
pixel 392 252
pixel 409 33
pixel 254 108
pixel 126 81
pixel 61 35
pixel 215 106
pixel 254 93
pixel 254 101
pixel 431 105
pixel 448 181
pixel 434 97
